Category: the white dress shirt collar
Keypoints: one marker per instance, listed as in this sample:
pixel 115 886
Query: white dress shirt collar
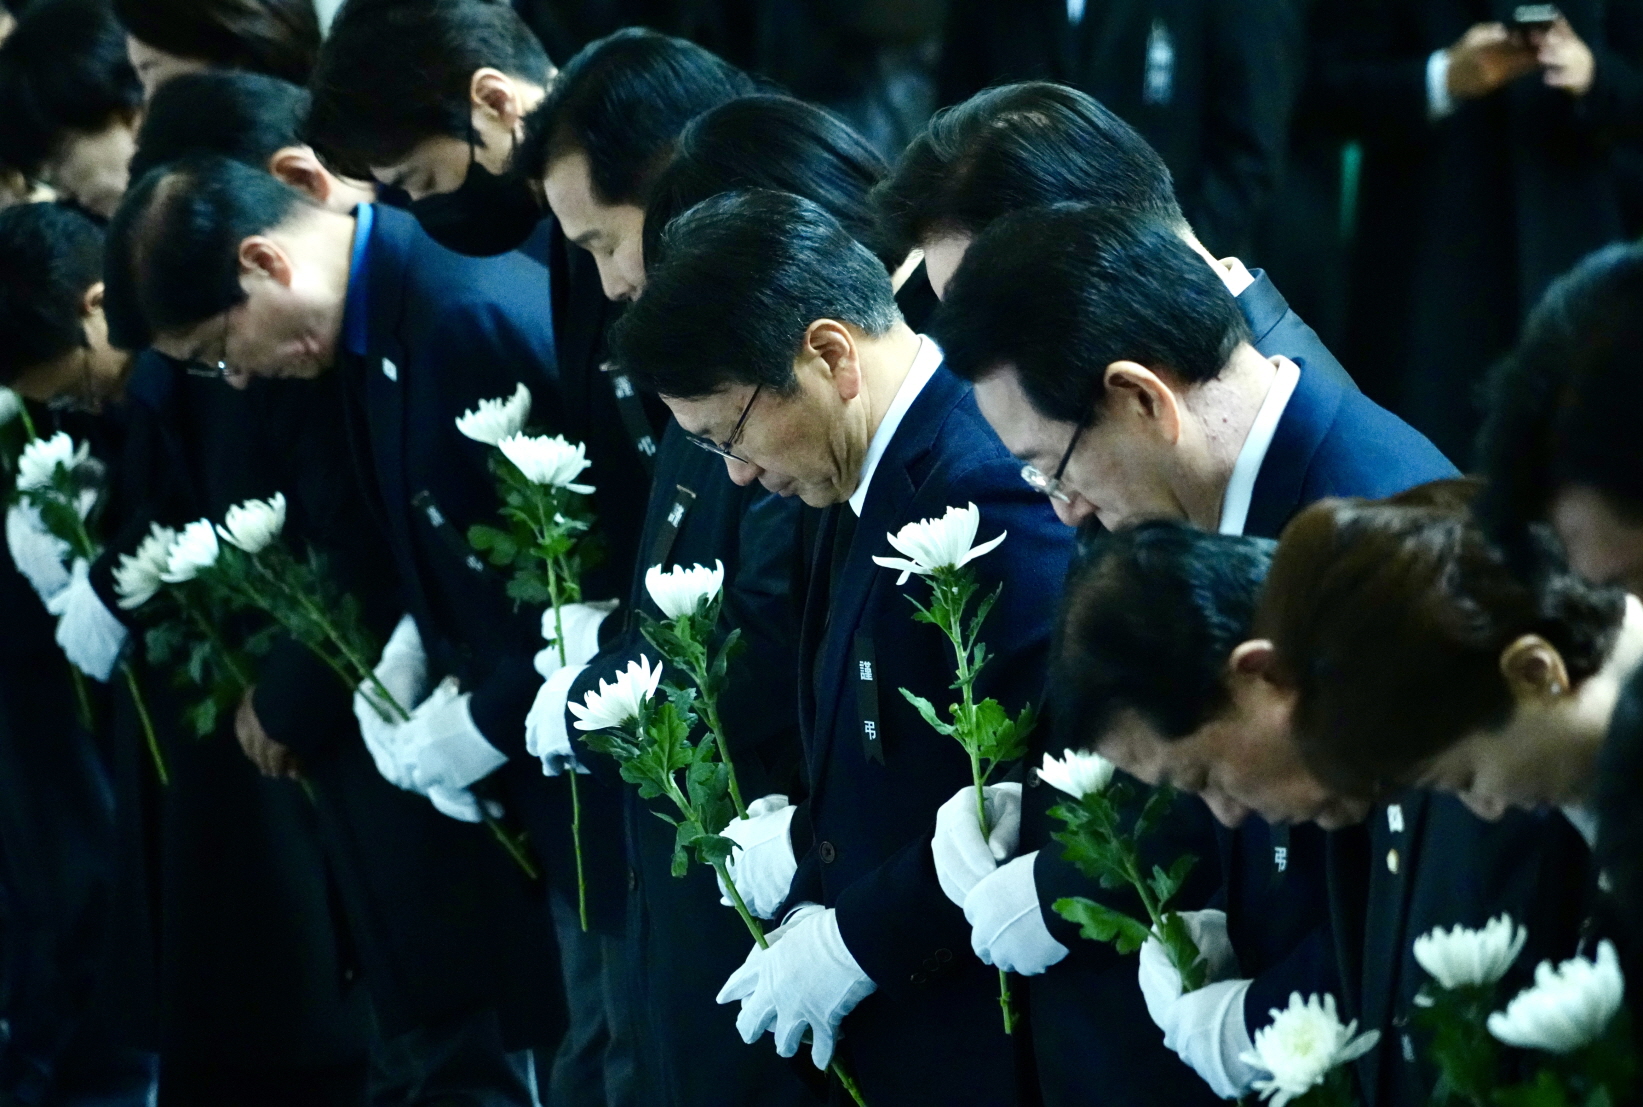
pixel 1241 488
pixel 925 363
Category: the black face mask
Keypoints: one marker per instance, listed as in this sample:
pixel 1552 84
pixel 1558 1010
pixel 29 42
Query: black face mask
pixel 489 214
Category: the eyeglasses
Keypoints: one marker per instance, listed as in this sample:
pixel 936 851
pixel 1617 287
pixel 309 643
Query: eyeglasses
pixel 1051 486
pixel 723 449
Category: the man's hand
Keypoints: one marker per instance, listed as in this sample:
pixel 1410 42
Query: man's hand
pixel 1487 57
pixel 270 757
pixel 1565 60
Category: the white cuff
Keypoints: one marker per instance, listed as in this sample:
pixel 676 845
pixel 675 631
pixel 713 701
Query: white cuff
pixel 581 623
pixel 1439 104
pixel 546 736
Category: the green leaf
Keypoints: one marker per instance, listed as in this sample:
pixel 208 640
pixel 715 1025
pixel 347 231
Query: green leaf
pixel 1100 923
pixel 928 711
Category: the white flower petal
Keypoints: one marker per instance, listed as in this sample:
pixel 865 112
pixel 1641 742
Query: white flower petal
pixel 1077 774
pixel 1302 1045
pixel 944 543
pixel 680 591
pixel 1461 957
pixel 254 524
pixel 494 420
pixel 194 550
pixel 40 459
pixel 549 461
pixel 1568 1007
pixel 617 704
pixel 139 575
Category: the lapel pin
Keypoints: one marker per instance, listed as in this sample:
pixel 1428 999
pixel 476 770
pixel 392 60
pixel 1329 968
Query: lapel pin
pixel 390 370
pixel 1394 818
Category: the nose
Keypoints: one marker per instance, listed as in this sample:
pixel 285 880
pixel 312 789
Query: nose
pixel 1073 510
pixel 616 286
pixel 1227 811
pixel 741 472
pixel 236 378
pixel 1486 807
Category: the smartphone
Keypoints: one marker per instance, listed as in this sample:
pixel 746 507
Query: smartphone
pixel 1534 17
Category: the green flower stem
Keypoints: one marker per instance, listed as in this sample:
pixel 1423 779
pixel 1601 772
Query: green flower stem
pixel 709 708
pixel 217 645
pixel 949 613
pixel 28 420
pixel 148 724
pixel 82 698
pixel 509 843
pixel 1156 913
pixel 575 791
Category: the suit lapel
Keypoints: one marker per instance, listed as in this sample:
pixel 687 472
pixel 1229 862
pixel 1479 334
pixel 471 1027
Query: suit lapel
pixel 1281 483
pixel 1393 859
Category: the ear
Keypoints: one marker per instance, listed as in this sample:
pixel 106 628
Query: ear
pixel 1132 387
pixel 1253 658
pixel 491 90
pixel 1534 670
pixel 298 167
pixel 831 343
pixel 92 302
pixel 260 254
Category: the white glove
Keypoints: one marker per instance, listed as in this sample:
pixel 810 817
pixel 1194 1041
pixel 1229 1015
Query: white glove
pixel 581 622
pixel 806 980
pixel 1006 926
pixel 38 554
pixel 546 735
pixel 763 867
pixel 441 746
pixel 461 805
pixel 1205 1028
pixel 403 671
pixel 962 855
pixel 90 635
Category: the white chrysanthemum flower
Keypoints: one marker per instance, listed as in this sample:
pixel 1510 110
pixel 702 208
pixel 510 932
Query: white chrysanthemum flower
pixel 680 591
pixel 494 420
pixel 139 575
pixel 11 405
pixel 1302 1045
pixel 254 524
pixel 1077 774
pixel 1463 958
pixel 550 461
pixel 616 705
pixel 943 543
pixel 41 457
pixel 194 551
pixel 1567 1007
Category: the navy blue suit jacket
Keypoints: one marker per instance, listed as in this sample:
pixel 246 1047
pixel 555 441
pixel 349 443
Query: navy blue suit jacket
pixel 445 331
pixel 932 1032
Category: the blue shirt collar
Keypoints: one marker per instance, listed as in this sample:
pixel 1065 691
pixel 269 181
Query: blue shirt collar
pixel 354 322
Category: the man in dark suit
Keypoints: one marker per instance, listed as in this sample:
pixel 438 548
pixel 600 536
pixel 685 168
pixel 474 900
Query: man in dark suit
pixel 365 276
pixel 1210 83
pixel 1034 144
pixel 836 401
pixel 1122 373
pixel 1163 646
pixel 1487 170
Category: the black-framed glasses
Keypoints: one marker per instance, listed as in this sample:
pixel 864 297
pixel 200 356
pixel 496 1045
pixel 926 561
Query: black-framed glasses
pixel 1051 486
pixel 218 369
pixel 723 449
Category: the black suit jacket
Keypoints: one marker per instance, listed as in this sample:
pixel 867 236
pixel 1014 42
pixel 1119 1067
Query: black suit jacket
pixel 1463 222
pixel 932 1031
pixel 682 943
pixel 1210 83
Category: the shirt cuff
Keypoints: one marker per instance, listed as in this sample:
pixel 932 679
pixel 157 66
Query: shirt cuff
pixel 1439 104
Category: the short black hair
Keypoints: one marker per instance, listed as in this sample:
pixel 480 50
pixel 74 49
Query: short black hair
pixel 622 101
pixel 1060 293
pixel 276 37
pixel 63 69
pixel 246 117
pixel 1016 147
pixel 394 73
pixel 739 279
pixel 1149 617
pixel 773 142
pixel 173 245
pixel 49 256
pixel 1563 405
